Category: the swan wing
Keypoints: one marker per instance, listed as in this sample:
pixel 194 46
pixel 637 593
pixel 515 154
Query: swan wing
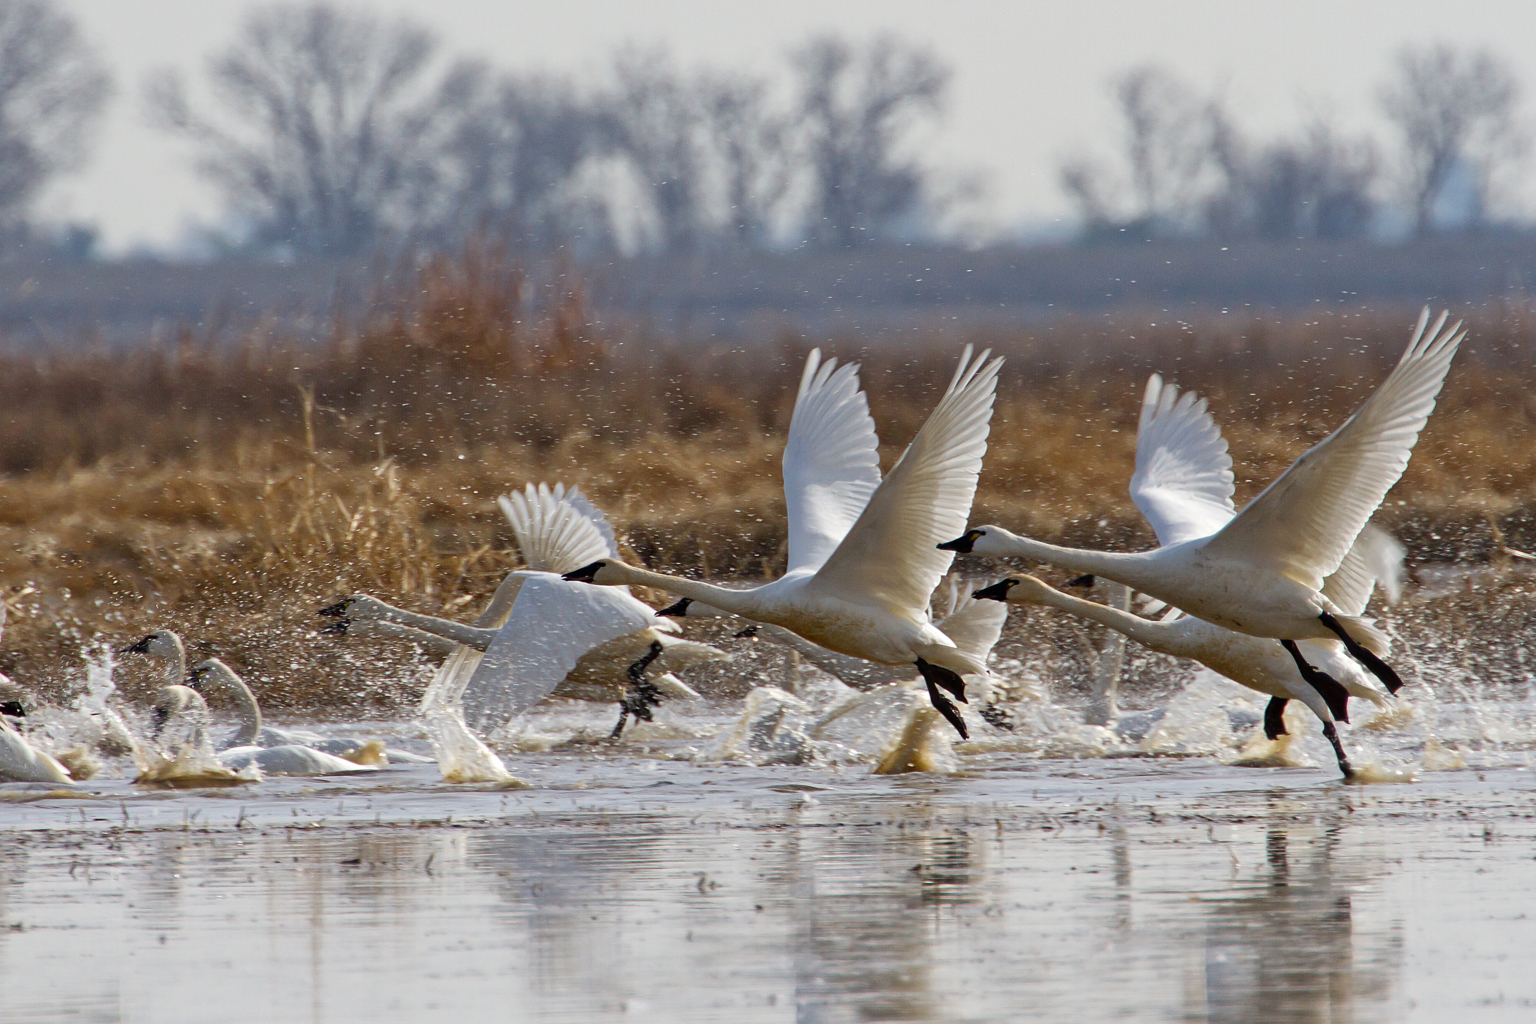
pixel 974 625
pixel 557 529
pixel 1304 523
pixel 552 625
pixel 831 460
pixel 1376 557
pixel 1183 482
pixel 890 556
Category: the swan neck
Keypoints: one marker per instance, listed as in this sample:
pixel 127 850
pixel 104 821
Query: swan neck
pixel 1114 565
pixel 500 609
pixel 246 708
pixel 1133 626
pixel 458 632
pixel 737 602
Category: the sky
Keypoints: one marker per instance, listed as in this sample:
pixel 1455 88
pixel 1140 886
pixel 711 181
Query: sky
pixel 1029 87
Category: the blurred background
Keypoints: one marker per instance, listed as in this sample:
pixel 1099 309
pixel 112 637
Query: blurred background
pixel 289 292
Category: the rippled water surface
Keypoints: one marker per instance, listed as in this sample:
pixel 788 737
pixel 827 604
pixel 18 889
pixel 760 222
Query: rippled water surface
pixel 624 884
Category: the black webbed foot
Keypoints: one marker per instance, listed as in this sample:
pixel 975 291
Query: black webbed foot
pixel 1332 732
pixel 936 676
pixel 1332 691
pixel 1380 669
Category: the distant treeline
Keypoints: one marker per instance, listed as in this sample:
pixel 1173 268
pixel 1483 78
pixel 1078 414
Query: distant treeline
pixel 335 132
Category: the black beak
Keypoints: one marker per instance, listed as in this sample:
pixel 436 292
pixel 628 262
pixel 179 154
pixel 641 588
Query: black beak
pixel 963 544
pixel 750 631
pixel 997 591
pixel 1081 581
pixel 586 574
pixel 142 647
pixel 13 709
pixel 195 681
pixel 678 610
pixel 339 626
pixel 337 609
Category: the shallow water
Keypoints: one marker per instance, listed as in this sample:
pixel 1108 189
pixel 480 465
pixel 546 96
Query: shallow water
pixel 626 883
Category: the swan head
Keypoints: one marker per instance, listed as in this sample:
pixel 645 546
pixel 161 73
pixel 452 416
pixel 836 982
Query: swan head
pixel 357 606
pixel 1021 589
pixel 981 540
pixel 213 671
pixel 676 611
pixel 605 572
pixel 162 643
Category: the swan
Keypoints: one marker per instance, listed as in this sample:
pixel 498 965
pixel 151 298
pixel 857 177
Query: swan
pixel 20 761
pixel 863 589
pixel 241 749
pixel 1259 664
pixel 1261 570
pixel 542 636
pixel 168 647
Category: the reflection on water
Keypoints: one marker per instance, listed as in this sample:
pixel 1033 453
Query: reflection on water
pixel 1051 896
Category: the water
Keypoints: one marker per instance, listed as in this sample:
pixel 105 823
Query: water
pixel 747 862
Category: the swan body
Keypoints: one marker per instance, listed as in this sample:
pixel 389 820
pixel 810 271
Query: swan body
pixel 541 636
pixel 1261 572
pixel 20 761
pixel 861 566
pixel 243 747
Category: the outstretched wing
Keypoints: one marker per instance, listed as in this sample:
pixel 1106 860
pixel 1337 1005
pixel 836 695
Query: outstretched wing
pixel 973 625
pixel 1376 557
pixel 1303 524
pixel 890 558
pixel 557 529
pixel 831 460
pixel 1183 482
pixel 553 623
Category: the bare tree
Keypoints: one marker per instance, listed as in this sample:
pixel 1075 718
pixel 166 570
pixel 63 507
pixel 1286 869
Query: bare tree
pixel 655 120
pixel 331 130
pixel 855 109
pixel 1170 138
pixel 1317 186
pixel 514 160
pixel 51 89
pixel 1451 108
pixel 749 144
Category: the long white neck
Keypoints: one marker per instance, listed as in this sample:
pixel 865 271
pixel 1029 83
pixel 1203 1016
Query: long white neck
pixel 176 666
pixel 247 710
pixel 1155 635
pixel 1120 566
pixel 470 636
pixel 429 642
pixel 738 602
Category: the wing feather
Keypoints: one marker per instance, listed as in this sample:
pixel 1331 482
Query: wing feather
pixel 889 557
pixel 557 529
pixel 1183 482
pixel 831 460
pixel 1376 557
pixel 553 623
pixel 1304 523
pixel 973 625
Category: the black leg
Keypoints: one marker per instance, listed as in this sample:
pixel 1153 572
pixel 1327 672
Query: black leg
pixel 1332 732
pixel 935 677
pixel 1380 669
pixel 641 695
pixel 1274 717
pixel 637 670
pixel 1331 689
pixel 623 717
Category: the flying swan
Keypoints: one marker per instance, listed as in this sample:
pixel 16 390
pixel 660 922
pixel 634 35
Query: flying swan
pixel 863 590
pixel 1261 572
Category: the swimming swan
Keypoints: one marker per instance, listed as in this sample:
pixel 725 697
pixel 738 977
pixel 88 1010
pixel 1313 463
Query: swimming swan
pixel 542 636
pixel 241 749
pixel 863 589
pixel 1261 572
pixel 168 647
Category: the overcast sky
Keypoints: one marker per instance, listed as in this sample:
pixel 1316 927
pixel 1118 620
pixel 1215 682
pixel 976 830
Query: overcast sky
pixel 1029 85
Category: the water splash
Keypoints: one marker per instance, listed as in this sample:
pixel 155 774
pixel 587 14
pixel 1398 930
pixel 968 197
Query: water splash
pixel 461 755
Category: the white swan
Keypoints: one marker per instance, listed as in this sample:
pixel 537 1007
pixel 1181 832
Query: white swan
pixel 863 589
pixel 242 749
pixel 1261 572
pixel 542 636
pixel 168 647
pixel 1259 664
pixel 20 761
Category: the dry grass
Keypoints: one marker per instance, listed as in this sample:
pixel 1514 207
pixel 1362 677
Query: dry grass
pixel 228 491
